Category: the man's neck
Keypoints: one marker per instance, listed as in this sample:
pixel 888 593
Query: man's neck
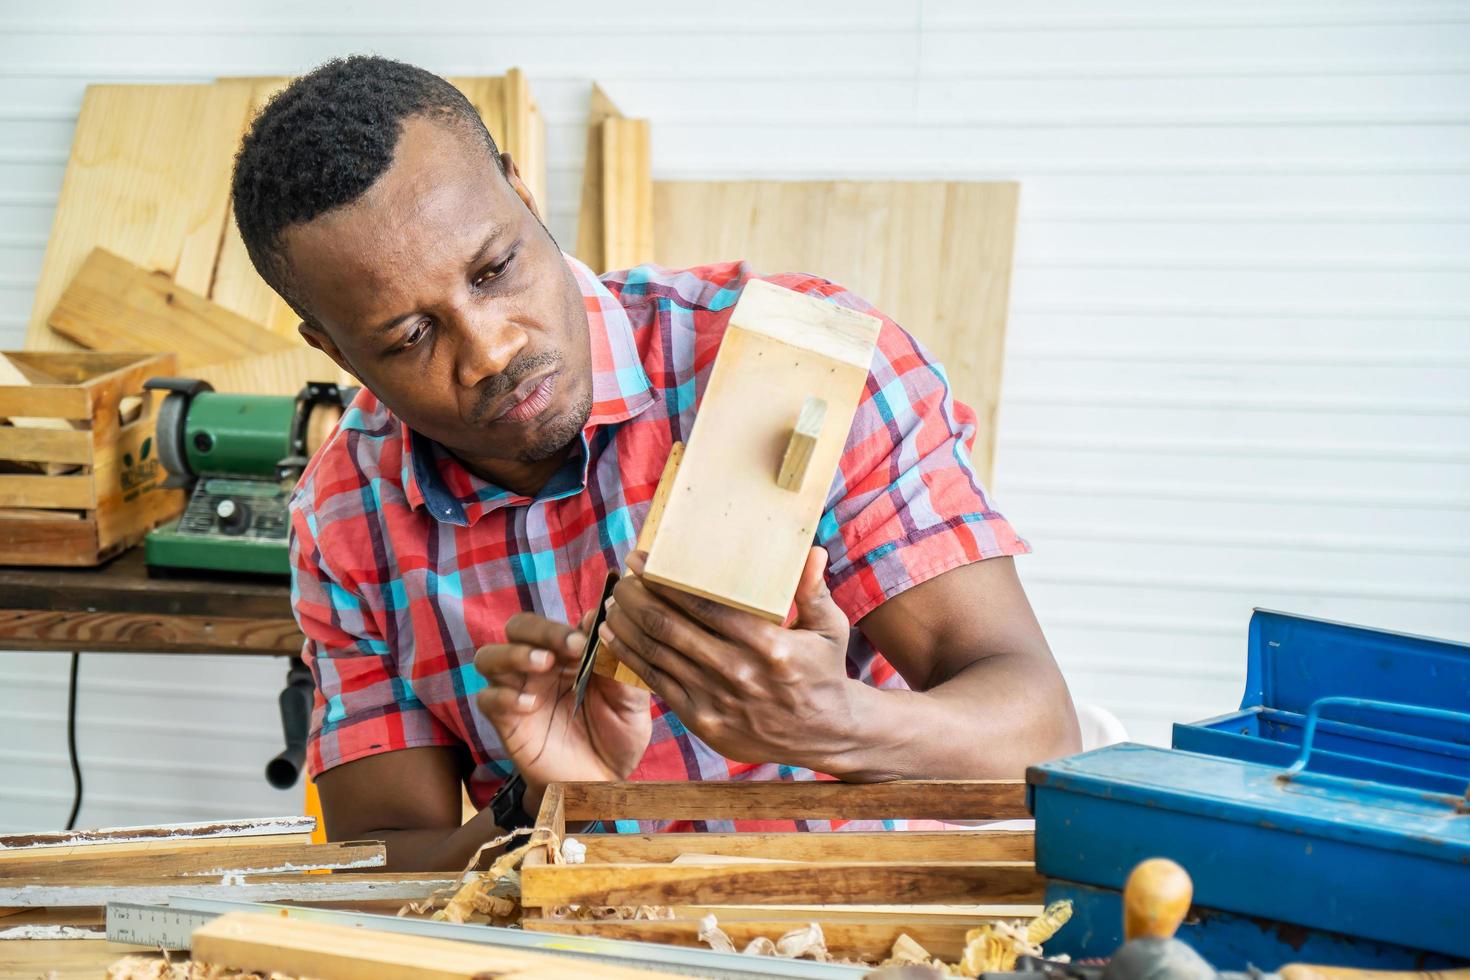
pixel 525 479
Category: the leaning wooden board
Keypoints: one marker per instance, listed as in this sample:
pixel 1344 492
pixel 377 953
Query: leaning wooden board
pixel 935 256
pixel 148 178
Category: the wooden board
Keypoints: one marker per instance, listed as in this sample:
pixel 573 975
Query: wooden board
pixel 335 887
pixel 847 940
pixel 627 193
pixel 61 959
pixel 776 882
pixel 236 285
pixel 590 223
pixel 935 256
pixel 218 831
pixel 927 799
pixel 893 845
pixel 148 179
pixel 780 349
pixel 188 862
pixel 299 948
pixel 112 304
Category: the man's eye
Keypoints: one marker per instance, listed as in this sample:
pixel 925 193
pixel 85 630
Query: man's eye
pixel 414 336
pixel 493 272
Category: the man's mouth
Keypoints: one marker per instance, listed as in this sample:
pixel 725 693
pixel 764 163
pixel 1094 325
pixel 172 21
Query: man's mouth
pixel 529 399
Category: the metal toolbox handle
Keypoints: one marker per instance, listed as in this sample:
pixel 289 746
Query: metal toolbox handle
pixel 1309 730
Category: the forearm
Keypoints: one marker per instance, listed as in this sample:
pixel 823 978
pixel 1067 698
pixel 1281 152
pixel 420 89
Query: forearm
pixel 437 848
pixel 989 721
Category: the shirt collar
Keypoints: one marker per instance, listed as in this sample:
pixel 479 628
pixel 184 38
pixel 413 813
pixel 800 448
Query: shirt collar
pixel 435 479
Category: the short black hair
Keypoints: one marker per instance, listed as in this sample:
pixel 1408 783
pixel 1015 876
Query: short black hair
pixel 322 141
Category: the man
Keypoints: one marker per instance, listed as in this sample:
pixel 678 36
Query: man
pixel 517 415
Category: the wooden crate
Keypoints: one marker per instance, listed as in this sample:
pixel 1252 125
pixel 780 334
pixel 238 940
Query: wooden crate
pixel 863 888
pixel 51 514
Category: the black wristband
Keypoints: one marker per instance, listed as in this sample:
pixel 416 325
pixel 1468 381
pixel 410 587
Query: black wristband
pixel 507 806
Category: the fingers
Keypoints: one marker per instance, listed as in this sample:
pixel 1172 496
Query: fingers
pixel 815 608
pixel 736 624
pixel 663 635
pixel 666 684
pixel 538 631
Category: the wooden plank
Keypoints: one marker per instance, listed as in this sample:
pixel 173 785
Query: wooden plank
pixel 11 376
pixel 45 443
pixel 148 178
pixel 299 948
pixel 68 538
pixel 59 400
pixel 61 959
pixel 627 193
pixel 775 882
pixel 38 490
pixel 112 304
pixel 895 845
pixel 104 632
pixel 780 348
pixel 66 852
pixel 936 256
pixel 590 215
pixel 215 830
pixel 846 940
pixel 928 799
pixel 196 861
pixel 509 111
pixel 607 662
pixel 280 373
pixel 39 924
pixel 236 285
pixel 335 887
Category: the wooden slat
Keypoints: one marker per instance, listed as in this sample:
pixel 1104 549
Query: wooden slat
pixel 236 285
pixel 846 940
pixel 104 632
pixel 935 256
pixel 590 214
pixel 60 401
pixel 27 490
pixel 780 348
pixel 338 886
pixel 148 178
pixel 299 948
pixel 66 852
pixel 898 845
pixel 112 304
pixel 935 882
pixel 196 861
pixel 217 830
pixel 627 193
pixel 66 539
pixel 45 444
pixel 936 799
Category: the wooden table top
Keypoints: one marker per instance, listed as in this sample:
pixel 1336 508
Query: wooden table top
pixel 117 607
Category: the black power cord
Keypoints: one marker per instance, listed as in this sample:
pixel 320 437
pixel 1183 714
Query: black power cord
pixel 71 742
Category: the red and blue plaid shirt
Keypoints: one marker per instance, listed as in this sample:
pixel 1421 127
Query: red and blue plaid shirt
pixel 404 563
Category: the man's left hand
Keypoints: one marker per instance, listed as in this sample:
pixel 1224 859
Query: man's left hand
pixel 750 689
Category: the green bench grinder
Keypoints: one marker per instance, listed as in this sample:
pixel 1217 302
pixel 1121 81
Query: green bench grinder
pixel 239 456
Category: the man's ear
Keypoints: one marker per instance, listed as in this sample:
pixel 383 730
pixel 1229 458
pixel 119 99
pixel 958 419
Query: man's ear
pixel 519 186
pixel 316 337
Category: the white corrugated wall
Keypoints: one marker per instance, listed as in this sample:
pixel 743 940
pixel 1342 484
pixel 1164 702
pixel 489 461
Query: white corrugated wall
pixel 1239 360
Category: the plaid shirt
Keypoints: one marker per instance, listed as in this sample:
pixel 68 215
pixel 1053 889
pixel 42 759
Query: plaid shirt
pixel 404 562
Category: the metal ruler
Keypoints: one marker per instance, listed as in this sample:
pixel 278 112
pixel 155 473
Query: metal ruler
pixel 172 926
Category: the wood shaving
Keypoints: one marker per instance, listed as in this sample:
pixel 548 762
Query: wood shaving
pixel 807 942
pixel 991 948
pixel 603 913
pixel 494 893
pixel 156 968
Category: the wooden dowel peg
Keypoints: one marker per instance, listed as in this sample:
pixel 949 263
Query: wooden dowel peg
pixel 798 456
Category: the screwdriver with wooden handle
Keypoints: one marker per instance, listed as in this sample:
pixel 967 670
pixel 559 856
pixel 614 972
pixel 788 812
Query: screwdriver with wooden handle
pixel 1156 899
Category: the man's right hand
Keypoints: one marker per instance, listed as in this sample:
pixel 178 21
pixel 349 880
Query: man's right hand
pixel 530 700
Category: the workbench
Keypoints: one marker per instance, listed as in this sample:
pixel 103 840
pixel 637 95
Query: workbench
pixel 117 608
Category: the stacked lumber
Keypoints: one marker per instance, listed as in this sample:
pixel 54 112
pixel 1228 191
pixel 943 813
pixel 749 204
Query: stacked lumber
pixel 144 254
pixel 56 885
pixel 864 889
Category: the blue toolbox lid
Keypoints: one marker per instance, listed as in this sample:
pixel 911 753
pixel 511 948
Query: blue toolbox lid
pixel 1293 661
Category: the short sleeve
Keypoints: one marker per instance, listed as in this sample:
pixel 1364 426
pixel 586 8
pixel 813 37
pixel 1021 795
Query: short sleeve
pixel 905 505
pixel 362 706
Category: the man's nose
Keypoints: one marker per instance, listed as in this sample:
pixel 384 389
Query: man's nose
pixel 487 345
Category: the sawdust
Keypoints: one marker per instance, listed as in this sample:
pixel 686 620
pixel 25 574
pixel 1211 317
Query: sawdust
pixel 156 968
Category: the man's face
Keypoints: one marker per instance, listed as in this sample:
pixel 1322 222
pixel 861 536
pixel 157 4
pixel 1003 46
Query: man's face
pixel 441 291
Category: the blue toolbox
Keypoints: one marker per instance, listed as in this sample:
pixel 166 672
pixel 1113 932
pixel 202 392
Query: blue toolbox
pixel 1328 820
